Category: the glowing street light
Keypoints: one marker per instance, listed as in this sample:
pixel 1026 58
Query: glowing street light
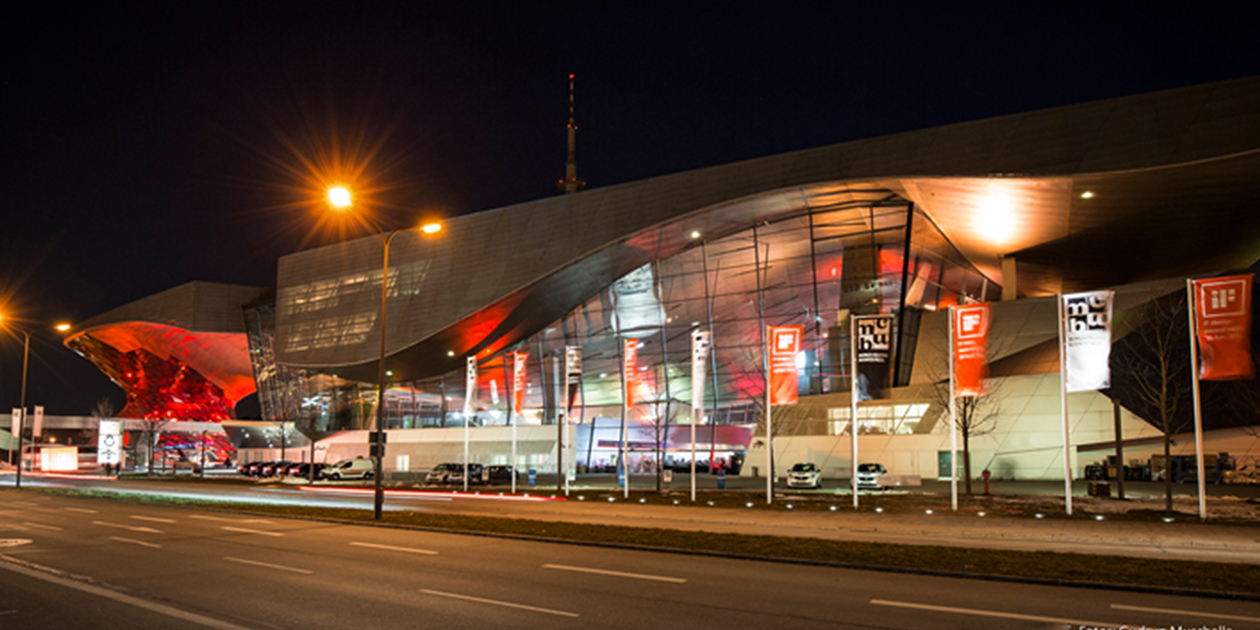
pixel 377 436
pixel 26 354
pixel 339 198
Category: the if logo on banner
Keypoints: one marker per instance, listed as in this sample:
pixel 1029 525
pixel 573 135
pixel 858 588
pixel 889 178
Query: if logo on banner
pixel 1087 312
pixel 1223 298
pixel 787 341
pixel 972 322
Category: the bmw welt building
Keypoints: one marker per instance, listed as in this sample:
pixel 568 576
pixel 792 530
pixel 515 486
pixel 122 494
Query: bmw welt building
pixel 1134 194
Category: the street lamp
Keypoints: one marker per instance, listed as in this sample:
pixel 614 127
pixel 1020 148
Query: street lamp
pixel 26 354
pixel 376 439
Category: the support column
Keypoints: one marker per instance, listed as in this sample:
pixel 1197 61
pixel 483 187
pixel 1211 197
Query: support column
pixel 1009 279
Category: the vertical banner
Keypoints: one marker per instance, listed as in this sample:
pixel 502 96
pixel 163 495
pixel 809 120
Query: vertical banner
pixel 971 347
pixel 1223 318
pixel 494 392
pixel 17 424
pixel 874 350
pixel 572 374
pixel 699 352
pixel 470 391
pixel 38 426
pixel 785 344
pixel 109 442
pixel 630 367
pixel 519 361
pixel 1087 340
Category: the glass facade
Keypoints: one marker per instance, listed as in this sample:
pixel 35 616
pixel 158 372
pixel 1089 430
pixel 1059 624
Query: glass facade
pixel 866 254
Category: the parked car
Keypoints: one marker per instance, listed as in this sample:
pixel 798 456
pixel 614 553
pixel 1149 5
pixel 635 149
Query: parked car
pixel 805 475
pixel 249 469
pixel 868 476
pixel 499 474
pixel 304 470
pixel 357 468
pixel 274 468
pixel 453 472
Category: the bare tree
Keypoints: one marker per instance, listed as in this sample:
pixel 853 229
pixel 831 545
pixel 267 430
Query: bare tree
pixel 661 415
pixel 974 416
pixel 1151 371
pixel 149 436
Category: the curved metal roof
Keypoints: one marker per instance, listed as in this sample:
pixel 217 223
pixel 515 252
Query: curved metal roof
pixel 1169 172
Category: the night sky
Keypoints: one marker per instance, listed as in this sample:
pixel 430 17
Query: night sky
pixel 149 145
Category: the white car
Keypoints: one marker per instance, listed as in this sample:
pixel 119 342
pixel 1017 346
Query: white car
pixel 805 475
pixel 357 468
pixel 868 476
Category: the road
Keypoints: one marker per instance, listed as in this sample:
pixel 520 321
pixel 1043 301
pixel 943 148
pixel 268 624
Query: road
pixel 202 569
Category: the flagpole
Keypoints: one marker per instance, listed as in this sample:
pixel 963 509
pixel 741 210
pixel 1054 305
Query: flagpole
pixel 1063 405
pixel 1198 405
pixel 765 355
pixel 953 420
pixel 512 412
pixel 853 407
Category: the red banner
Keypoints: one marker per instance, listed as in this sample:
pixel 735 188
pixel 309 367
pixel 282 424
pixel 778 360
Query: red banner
pixel 519 361
pixel 631 370
pixel 1223 318
pixel 785 344
pixel 971 347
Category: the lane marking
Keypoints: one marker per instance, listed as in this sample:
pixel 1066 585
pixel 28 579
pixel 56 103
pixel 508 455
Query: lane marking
pixel 83 510
pixel 637 576
pixel 154 519
pixel 269 566
pixel 29 503
pixel 231 520
pixel 147 530
pixel 1170 611
pixel 14 542
pixel 495 602
pixel 43 573
pixel 38 526
pixel 136 542
pixel 994 613
pixel 251 531
pixel 392 548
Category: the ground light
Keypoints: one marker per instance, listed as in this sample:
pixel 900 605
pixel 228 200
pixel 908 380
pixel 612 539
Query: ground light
pixel 927 511
pixel 1098 517
pixel 749 505
pixel 982 514
pixel 833 508
pixel 879 510
pixel 1039 515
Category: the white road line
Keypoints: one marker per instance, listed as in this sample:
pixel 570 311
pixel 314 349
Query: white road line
pixel 1169 611
pixel 153 519
pixel 38 526
pixel 83 510
pixel 496 602
pixel 637 576
pixel 269 566
pixel 136 542
pixel 231 520
pixel 391 548
pixel 994 613
pixel 30 503
pixel 250 531
pixel 35 572
pixel 147 530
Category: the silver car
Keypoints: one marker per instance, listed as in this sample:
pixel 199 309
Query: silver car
pixel 805 475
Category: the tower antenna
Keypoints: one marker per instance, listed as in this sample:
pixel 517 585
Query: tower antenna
pixel 571 183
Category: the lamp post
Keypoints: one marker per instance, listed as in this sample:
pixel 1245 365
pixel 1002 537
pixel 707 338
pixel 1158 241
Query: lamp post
pixel 26 354
pixel 376 440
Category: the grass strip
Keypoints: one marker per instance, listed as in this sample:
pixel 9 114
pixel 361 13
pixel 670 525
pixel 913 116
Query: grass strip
pixel 1242 579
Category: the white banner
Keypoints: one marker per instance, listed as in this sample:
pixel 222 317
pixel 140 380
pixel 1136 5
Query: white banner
pixel 1087 340
pixel 470 391
pixel 109 442
pixel 38 426
pixel 17 419
pixel 699 350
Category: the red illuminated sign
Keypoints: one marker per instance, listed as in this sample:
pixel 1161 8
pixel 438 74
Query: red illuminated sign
pixel 971 344
pixel 1223 319
pixel 785 344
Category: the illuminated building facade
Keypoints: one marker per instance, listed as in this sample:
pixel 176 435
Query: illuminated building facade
pixel 1115 192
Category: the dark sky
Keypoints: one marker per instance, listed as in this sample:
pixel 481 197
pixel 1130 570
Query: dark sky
pixel 149 145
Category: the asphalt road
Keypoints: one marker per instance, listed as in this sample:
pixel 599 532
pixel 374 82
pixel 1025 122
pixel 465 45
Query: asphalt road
pixel 202 569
